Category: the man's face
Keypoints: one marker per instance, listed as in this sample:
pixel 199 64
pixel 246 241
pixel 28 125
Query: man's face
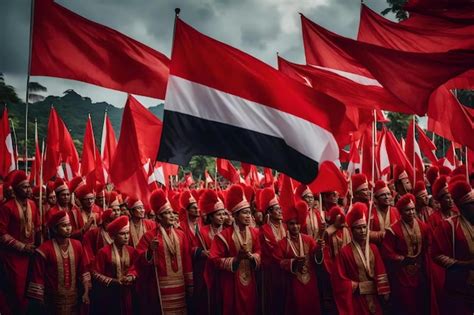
pixel 422 200
pixel 138 212
pixel 275 213
pixel 330 198
pixel 193 210
pixel 166 218
pixel 217 218
pixel 446 202
pixel 258 216
pixel 228 219
pixel 99 200
pixel 23 191
pixel 64 198
pixel 359 233
pixel 309 198
pixel 384 199
pixel 64 229
pixel 293 227
pixel 87 202
pixel 52 199
pixel 408 214
pixel 122 238
pixel 116 212
pixel 244 217
pixel 151 215
pixel 362 194
pixel 406 184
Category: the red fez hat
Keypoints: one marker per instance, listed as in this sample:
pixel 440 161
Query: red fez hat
pixel 460 170
pixel 457 178
pixel 111 198
pixel 210 202
pixel 380 188
pixel 268 199
pixel 461 192
pixel 302 190
pixel 75 183
pixel 432 174
pixel 420 189
pixel 444 170
pixel 359 181
pixel 356 215
pixel 118 225
pixel 133 203
pixel 174 201
pixel 60 185
pixel 297 212
pixel 83 191
pixel 236 200
pixel 186 199
pixel 258 194
pixel 399 173
pixel 58 217
pixel 333 213
pixel 106 214
pixel 407 201
pixel 99 188
pixel 440 187
pixel 159 202
pixel 18 177
pixel 36 190
pixel 249 193
pixel 50 188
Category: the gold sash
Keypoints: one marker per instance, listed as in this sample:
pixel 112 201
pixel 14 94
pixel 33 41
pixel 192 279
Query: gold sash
pixel 121 263
pixel 304 276
pixel 244 270
pixel 366 275
pixel 26 220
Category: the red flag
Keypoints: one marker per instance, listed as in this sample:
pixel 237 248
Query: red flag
pixel 66 45
pixel 451 159
pixel 382 154
pixel 412 150
pixel 68 152
pixel 139 141
pixel 36 166
pixel 227 170
pixel 108 143
pixel 52 156
pixel 7 153
pixel 354 160
pixel 422 73
pixel 287 196
pixel 88 150
pixel 427 147
pixel 396 155
pixel 268 177
pixel 330 178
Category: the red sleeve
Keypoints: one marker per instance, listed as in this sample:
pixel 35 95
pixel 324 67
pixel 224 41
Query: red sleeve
pixel 342 285
pixel 442 249
pixel 98 270
pixel 388 248
pixel 257 250
pixel 6 239
pixel 187 262
pixel 381 277
pixel 220 256
pixel 279 254
pixel 35 288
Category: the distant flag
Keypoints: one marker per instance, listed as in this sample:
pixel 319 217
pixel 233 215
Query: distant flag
pixel 7 152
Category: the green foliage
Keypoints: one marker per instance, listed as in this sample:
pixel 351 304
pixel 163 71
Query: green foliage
pixel 7 92
pixel 396 6
pixel 398 124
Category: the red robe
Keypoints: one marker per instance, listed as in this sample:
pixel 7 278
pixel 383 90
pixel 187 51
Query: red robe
pixel 75 217
pixel 237 282
pixel 314 226
pixel 55 279
pixel 174 273
pixel 94 240
pixel 302 294
pixel 409 283
pixel 273 277
pixel 424 213
pixel 459 283
pixel 335 239
pixel 110 299
pixel 146 225
pixel 16 230
pixel 378 227
pixel 349 272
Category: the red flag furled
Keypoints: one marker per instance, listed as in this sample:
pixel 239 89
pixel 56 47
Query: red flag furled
pixel 422 73
pixel 88 150
pixel 68 152
pixel 227 170
pixel 7 153
pixel 244 116
pixel 108 143
pixel 427 147
pixel 268 179
pixel 66 45
pixel 52 156
pixel 138 143
pixel 396 155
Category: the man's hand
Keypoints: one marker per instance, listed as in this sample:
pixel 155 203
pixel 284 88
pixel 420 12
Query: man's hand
pixel 153 245
pixel 29 249
pixel 85 298
pixel 205 253
pixel 127 280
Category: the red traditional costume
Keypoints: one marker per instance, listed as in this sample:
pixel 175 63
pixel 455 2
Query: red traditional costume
pixel 137 230
pixel 237 279
pixel 191 230
pixel 169 267
pixel 336 237
pixel 423 212
pixel 18 227
pixel 313 226
pixel 113 263
pixel 96 238
pixel 56 274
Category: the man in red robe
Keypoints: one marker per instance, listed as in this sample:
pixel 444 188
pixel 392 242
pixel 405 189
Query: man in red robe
pixel 296 254
pixel 59 281
pixel 383 214
pixel 405 250
pixel 423 210
pixel 270 234
pixel 139 225
pixel 163 266
pixel 360 188
pixel 314 226
pixel 98 237
pixel 113 280
pixel 235 253
pixel 359 282
pixel 19 233
pixel 191 223
pixel 441 194
pixel 336 235
pixel 453 249
pixel 90 213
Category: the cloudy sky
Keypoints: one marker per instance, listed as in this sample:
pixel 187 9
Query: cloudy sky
pixel 258 27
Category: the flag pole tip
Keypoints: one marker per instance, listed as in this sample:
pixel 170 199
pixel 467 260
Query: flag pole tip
pixel 177 11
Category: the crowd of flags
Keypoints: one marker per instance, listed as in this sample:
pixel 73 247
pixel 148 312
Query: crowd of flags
pixel 222 102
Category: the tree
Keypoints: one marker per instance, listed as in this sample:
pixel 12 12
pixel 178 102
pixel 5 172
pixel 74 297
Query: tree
pixel 396 6
pixel 399 123
pixel 7 92
pixel 34 88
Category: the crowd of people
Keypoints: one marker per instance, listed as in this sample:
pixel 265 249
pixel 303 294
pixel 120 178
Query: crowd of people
pixel 387 247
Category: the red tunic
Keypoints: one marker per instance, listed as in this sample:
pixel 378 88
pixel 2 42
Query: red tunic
pixel 378 225
pixel 424 213
pixel 302 294
pixel 136 233
pixel 112 299
pixel 56 277
pixel 237 282
pixel 314 226
pixel 17 228
pixel 172 267
pixel 75 217
pixel 94 240
pixel 459 283
pixel 409 283
pixel 335 239
pixel 349 272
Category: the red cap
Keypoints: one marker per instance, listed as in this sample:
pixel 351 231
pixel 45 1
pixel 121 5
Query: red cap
pixel 236 200
pixel 249 193
pixel 186 199
pixel 299 211
pixel 420 189
pixel 120 224
pixel 50 188
pixel 36 191
pixel 407 201
pixel 356 215
pixel 333 213
pixel 174 201
pixel 60 185
pixel 432 174
pixel 58 218
pixel 83 191
pixel 106 214
pixel 461 192
pixel 460 170
pixel 457 178
pixel 210 202
pixel 75 183
pixel 399 173
pixel 444 170
pixel 112 198
pixel 267 199
pixel 380 188
pixel 440 187
pixel 359 181
pixel 133 203
pixel 302 190
pixel 18 177
pixel 99 188
pixel 159 202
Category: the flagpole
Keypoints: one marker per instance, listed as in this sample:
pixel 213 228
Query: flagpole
pixel 41 190
pixel 16 143
pixel 36 140
pixel 466 161
pixel 32 14
pixel 371 201
pixel 414 154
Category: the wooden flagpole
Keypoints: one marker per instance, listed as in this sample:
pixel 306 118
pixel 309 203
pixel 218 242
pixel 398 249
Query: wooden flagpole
pixel 414 153
pixel 371 202
pixel 41 189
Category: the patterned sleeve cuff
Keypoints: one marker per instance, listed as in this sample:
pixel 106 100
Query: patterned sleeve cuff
pixel 383 286
pixel 35 291
pixel 102 279
pixel 444 261
pixel 86 280
pixel 10 242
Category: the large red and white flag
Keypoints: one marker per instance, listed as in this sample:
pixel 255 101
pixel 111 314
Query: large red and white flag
pixel 7 152
pixel 256 115
pixel 66 45
pixel 108 145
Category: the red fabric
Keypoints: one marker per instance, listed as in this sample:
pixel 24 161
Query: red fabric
pixel 66 45
pixel 375 227
pixel 227 170
pixel 7 161
pixel 330 178
pixel 111 299
pixel 139 141
pixel 422 75
pixel 412 149
pixel 93 241
pixel 301 298
pixel 427 147
pixel 88 150
pixel 268 177
pixel 396 155
pixel 237 298
pixel 108 144
pixel 36 165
